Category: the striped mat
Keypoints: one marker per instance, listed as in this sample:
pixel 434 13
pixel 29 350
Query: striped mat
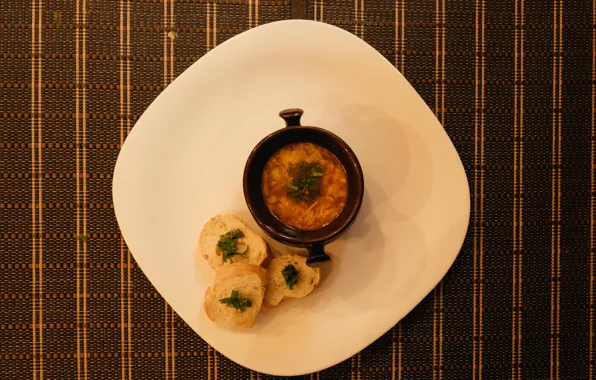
pixel 511 81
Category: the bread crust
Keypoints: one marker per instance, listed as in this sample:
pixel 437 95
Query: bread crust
pixel 258 251
pixel 278 290
pixel 250 281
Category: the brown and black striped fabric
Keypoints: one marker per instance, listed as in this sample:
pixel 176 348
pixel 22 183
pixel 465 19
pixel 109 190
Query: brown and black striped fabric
pixel 511 81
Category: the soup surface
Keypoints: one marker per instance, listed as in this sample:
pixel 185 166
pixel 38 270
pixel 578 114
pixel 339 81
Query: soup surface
pixel 304 185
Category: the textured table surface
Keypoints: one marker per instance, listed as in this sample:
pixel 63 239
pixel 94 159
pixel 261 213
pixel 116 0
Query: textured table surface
pixel 511 81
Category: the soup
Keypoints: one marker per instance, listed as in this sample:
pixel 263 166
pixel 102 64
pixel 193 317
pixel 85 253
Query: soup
pixel 304 185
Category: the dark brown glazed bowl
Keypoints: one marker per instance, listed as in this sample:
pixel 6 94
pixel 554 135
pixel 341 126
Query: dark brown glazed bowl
pixel 313 240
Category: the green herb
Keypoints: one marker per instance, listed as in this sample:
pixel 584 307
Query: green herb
pixel 228 245
pixel 306 184
pixel 236 302
pixel 290 275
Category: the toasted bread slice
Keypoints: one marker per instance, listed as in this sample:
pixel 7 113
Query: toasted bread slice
pixel 278 289
pixel 248 281
pixel 256 247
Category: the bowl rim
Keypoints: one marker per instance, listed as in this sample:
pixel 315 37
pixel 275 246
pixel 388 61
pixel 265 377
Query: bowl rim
pixel 302 241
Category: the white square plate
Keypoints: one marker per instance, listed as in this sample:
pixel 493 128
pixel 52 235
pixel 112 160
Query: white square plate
pixel 183 163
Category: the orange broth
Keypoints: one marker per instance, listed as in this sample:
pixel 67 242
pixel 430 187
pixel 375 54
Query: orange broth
pixel 315 206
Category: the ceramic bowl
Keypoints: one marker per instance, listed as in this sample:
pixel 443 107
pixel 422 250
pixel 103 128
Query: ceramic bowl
pixel 313 240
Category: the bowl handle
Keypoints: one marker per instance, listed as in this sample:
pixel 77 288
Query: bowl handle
pixel 316 255
pixel 292 116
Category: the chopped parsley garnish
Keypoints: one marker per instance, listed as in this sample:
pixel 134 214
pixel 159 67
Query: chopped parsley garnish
pixel 290 275
pixel 306 184
pixel 228 245
pixel 236 302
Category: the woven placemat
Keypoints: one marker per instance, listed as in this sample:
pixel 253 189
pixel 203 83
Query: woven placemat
pixel 511 81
